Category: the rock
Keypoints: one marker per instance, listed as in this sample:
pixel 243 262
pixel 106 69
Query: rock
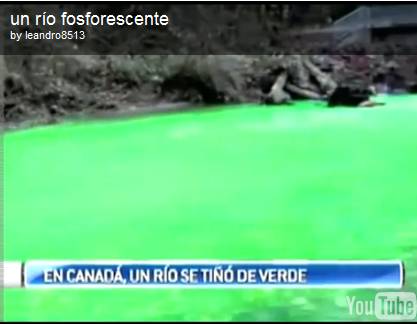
pixel 14 84
pixel 327 84
pixel 216 79
pixel 396 82
pixel 348 96
pixel 302 93
pixel 296 68
pixel 370 103
pixel 392 65
pixel 278 95
pixel 413 88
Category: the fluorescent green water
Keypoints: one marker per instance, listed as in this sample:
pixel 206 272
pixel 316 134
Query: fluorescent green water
pixel 242 183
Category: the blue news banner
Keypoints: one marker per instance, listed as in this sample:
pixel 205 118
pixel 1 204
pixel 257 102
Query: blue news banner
pixel 214 274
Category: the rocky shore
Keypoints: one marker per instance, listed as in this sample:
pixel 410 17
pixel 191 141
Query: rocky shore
pixel 46 89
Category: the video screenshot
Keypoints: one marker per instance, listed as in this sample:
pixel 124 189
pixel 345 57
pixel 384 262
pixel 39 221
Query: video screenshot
pixel 208 161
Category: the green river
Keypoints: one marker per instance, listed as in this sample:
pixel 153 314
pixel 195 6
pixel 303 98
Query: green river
pixel 243 183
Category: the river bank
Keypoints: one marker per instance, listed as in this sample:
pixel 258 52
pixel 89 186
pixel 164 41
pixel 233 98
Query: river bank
pixel 50 89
